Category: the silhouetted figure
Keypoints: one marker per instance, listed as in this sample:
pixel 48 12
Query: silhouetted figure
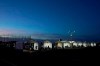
pixel 48 48
pixel 36 47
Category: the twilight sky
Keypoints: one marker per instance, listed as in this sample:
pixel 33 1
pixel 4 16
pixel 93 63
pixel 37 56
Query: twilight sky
pixel 51 18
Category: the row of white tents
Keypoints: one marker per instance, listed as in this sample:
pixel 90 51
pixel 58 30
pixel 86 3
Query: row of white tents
pixel 61 44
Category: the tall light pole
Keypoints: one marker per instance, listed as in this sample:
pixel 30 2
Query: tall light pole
pixel 71 34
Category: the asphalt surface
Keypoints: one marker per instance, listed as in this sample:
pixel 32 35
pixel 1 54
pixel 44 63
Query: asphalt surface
pixel 49 57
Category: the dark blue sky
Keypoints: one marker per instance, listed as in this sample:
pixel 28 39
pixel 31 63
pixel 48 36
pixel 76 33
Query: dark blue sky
pixel 50 17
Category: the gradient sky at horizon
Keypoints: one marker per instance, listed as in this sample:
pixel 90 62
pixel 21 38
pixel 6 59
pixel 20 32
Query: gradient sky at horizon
pixel 50 17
